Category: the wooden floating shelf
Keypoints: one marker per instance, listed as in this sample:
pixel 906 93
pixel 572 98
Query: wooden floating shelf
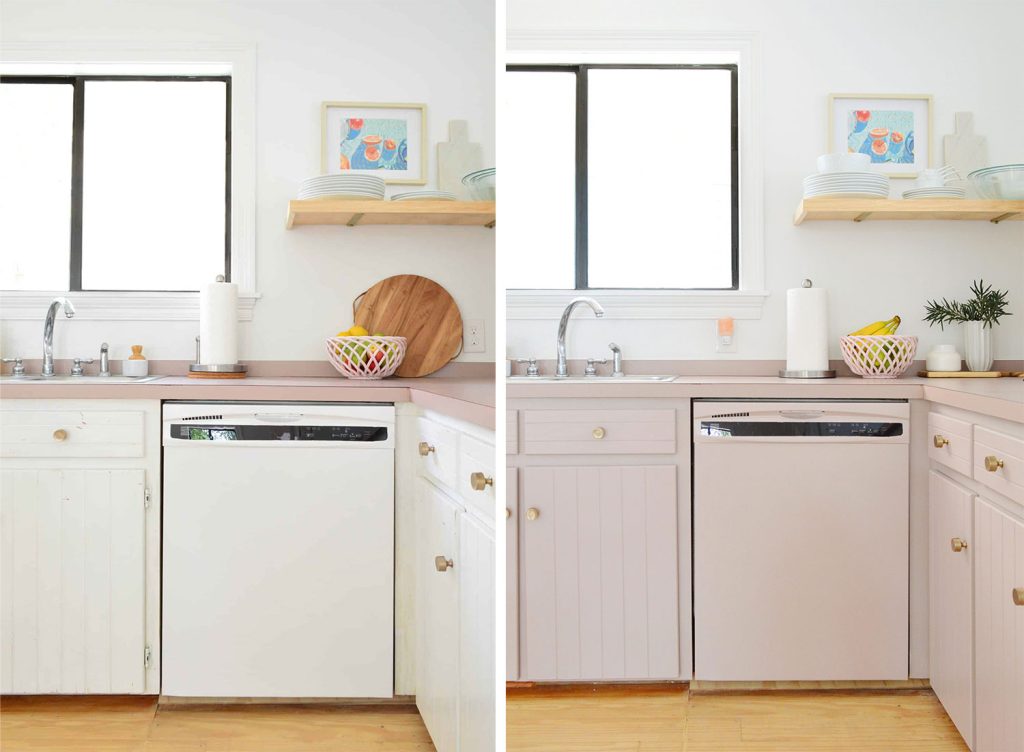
pixel 353 212
pixel 860 209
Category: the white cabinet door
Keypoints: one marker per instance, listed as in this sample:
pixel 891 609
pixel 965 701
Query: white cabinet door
pixel 72 581
pixel 511 574
pixel 475 567
pixel 999 629
pixel 437 585
pixel 950 548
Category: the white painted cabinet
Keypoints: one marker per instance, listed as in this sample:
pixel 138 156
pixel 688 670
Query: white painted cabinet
pixel 951 548
pixel 511 574
pixel 999 627
pixel 79 547
pixel 455 571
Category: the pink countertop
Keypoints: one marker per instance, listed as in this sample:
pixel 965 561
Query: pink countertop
pixel 1001 398
pixel 469 399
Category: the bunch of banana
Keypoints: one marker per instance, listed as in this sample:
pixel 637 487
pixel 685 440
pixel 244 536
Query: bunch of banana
pixel 878 328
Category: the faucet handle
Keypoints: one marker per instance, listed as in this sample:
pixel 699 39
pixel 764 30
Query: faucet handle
pixel 76 369
pixel 531 366
pixel 591 369
pixel 19 366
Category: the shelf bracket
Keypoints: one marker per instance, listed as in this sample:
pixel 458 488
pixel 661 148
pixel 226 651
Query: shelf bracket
pixel 354 220
pixel 1001 217
pixel 862 217
pixel 490 225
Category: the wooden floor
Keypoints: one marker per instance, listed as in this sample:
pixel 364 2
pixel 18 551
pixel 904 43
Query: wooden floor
pixel 133 724
pixel 670 719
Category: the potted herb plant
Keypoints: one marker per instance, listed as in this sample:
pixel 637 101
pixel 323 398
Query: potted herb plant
pixel 978 315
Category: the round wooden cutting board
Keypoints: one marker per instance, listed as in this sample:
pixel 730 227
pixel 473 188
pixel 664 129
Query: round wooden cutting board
pixel 418 309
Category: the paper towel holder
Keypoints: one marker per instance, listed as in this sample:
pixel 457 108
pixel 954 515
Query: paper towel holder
pixel 826 374
pixel 214 370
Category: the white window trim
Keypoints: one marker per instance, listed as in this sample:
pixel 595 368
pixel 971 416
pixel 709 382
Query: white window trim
pixel 743 48
pixel 169 58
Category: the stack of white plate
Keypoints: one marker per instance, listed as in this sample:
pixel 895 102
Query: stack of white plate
pixel 342 186
pixel 424 196
pixel 946 191
pixel 847 185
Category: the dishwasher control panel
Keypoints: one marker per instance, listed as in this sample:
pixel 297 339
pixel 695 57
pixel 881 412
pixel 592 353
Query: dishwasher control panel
pixel 824 429
pixel 227 432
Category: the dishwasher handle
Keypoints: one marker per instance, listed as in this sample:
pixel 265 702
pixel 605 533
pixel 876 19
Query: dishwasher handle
pixel 801 414
pixel 278 417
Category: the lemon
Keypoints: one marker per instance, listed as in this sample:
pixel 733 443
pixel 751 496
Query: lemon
pixel 344 333
pixel 357 331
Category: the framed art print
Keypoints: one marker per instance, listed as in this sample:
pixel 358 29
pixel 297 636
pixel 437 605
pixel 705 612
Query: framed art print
pixel 893 129
pixel 386 140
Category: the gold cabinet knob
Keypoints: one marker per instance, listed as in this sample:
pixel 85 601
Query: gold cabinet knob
pixel 958 545
pixel 532 513
pixel 939 441
pixel 1018 596
pixel 442 564
pixel 598 433
pixel 425 449
pixel 479 481
pixel 60 434
pixel 508 513
pixel 993 463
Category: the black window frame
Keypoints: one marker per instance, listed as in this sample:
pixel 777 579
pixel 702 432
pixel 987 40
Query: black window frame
pixel 78 161
pixel 582 217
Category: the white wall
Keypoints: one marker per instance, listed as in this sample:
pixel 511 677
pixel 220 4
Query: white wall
pixel 308 51
pixel 962 53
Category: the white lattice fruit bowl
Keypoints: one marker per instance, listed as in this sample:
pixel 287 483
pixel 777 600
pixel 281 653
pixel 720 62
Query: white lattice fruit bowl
pixel 878 356
pixel 366 357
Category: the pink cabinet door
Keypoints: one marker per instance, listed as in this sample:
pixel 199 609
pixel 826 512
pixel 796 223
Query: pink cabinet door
pixel 511 574
pixel 950 583
pixel 999 629
pixel 599 574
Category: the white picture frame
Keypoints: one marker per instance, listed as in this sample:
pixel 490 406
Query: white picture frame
pixel 894 129
pixel 383 139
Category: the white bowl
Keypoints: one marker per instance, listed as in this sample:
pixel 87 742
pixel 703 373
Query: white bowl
pixel 844 162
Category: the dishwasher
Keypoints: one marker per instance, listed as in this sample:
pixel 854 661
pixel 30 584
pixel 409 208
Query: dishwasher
pixel 800 543
pixel 278 550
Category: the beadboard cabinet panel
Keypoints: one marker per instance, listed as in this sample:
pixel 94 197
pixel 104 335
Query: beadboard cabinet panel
pixel 950 599
pixel 73 581
pixel 999 625
pixel 599 590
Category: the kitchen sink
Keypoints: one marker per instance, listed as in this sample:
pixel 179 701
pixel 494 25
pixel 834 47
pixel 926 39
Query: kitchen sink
pixel 38 378
pixel 627 379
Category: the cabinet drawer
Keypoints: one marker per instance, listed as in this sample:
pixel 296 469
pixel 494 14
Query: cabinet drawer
pixel 999 462
pixel 950 442
pixel 72 433
pixel 599 432
pixel 511 432
pixel 438 452
pixel 477 457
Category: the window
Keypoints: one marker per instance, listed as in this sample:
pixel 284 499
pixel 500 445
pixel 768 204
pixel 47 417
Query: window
pixel 622 176
pixel 114 183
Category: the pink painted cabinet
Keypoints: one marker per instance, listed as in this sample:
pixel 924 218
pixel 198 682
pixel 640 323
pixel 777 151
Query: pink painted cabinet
pixel 999 629
pixel 598 573
pixel 950 549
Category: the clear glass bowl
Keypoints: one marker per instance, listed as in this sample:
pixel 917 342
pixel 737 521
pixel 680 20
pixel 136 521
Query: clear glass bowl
pixel 1003 182
pixel 481 184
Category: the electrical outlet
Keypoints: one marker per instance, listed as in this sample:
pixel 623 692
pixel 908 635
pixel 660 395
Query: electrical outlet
pixel 473 340
pixel 725 343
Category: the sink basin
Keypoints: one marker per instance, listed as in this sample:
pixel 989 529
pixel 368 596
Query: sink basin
pixel 36 378
pixel 627 379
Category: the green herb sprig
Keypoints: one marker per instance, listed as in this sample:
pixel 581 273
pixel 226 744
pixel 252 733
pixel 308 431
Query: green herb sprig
pixel 987 305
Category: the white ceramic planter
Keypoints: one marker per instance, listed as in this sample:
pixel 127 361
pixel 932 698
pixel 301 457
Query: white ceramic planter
pixel 977 346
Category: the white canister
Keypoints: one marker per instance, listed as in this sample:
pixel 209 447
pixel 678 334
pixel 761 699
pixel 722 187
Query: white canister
pixel 943 358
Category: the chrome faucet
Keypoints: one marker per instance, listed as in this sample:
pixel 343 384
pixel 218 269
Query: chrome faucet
pixel 51 313
pixel 561 366
pixel 616 359
pixel 104 359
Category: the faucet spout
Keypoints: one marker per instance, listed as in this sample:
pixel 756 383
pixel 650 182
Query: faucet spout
pixel 561 365
pixel 51 315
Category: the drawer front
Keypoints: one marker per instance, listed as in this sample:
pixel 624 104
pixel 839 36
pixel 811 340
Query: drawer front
pixel 72 433
pixel 438 452
pixel 950 442
pixel 511 432
pixel 476 465
pixel 999 462
pixel 599 432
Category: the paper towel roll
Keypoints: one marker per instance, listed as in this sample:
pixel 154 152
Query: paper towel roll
pixel 218 324
pixel 807 329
